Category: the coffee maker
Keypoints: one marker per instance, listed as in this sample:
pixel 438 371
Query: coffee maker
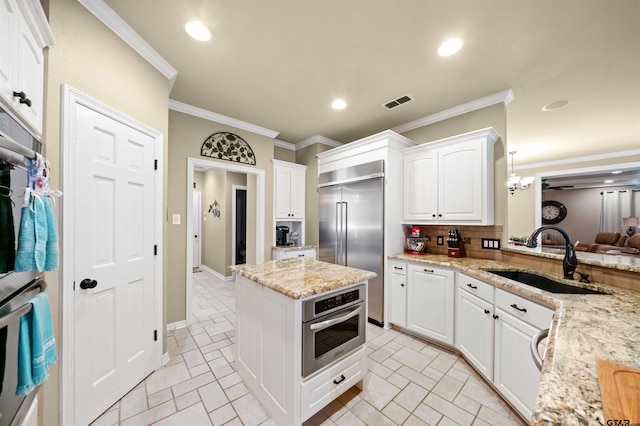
pixel 281 235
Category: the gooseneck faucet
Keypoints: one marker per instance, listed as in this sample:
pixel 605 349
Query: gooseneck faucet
pixel 570 261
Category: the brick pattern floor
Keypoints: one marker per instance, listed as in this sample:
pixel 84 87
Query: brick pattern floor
pixel 410 382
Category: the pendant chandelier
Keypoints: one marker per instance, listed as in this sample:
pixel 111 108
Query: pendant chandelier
pixel 515 181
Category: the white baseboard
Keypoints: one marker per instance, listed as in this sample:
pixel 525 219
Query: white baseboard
pixel 165 358
pixel 176 325
pixel 216 274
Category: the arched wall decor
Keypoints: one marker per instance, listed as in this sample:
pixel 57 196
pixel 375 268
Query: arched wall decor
pixel 228 146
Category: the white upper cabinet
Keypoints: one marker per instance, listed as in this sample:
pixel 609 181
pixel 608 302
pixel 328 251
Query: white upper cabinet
pixel 289 182
pixel 24 32
pixel 450 180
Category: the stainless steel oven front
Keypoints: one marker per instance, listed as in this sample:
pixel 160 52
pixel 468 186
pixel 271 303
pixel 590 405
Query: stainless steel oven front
pixel 333 325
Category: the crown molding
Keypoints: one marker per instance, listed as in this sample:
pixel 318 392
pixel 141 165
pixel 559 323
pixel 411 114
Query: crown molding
pixel 115 23
pixel 318 139
pixel 222 119
pixel 505 96
pixel 285 145
pixel 574 160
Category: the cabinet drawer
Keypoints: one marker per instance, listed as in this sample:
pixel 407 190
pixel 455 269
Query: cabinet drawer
pixel 476 287
pixel 398 267
pixel 320 390
pixel 300 254
pixel 528 311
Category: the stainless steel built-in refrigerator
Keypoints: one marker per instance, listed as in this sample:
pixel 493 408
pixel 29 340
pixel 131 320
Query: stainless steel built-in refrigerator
pixel 351 216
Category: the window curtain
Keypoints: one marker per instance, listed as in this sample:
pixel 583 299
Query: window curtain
pixel 615 206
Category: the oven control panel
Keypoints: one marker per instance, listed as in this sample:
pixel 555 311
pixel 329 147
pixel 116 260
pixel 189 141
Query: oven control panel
pixel 324 305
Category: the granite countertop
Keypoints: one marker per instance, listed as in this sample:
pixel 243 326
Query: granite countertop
pixel 299 278
pixel 294 247
pixel 584 328
pixel 623 262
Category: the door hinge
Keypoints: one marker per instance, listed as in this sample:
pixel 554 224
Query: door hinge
pixel 155 164
pixel 155 250
pixel 155 335
pixel 74 286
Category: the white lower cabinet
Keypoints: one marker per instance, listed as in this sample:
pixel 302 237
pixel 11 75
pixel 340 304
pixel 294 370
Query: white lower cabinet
pixel 430 302
pixel 475 324
pixel 293 253
pixel 269 356
pixel 398 294
pixel 516 375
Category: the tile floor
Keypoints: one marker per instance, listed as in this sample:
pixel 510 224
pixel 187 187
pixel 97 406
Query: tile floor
pixel 415 383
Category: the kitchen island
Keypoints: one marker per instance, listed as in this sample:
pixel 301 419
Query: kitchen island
pixel 285 371
pixel 584 328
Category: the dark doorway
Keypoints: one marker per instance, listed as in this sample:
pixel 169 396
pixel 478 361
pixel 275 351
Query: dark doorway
pixel 241 226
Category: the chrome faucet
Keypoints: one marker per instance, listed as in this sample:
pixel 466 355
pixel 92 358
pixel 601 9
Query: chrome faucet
pixel 570 261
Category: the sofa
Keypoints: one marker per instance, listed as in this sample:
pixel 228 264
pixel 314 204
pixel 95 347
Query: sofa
pixel 604 241
pixel 632 248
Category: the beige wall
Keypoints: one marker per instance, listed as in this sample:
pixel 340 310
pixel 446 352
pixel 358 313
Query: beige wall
pixel 494 116
pixel 90 58
pixel 214 229
pixel 522 206
pixel 307 156
pixel 186 135
pixel 284 154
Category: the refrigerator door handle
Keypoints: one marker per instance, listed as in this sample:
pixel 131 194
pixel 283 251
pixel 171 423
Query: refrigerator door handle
pixel 338 233
pixel 343 243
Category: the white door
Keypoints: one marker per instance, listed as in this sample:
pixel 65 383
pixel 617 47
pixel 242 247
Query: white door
pixel 197 228
pixel 113 250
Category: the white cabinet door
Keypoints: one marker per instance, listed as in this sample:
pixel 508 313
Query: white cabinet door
pixel 460 188
pixel 30 77
pixel 283 192
pixel 430 308
pixel 398 307
pixel 8 45
pixel 297 179
pixel 516 375
pixel 289 190
pixel 248 324
pixel 421 187
pixel 475 331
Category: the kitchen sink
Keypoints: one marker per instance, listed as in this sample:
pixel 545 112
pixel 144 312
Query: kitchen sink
pixel 544 283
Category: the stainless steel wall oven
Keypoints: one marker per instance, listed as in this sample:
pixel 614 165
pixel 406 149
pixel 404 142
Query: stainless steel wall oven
pixel 16 288
pixel 334 324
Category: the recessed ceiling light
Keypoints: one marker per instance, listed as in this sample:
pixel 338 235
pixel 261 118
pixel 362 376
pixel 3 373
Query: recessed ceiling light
pixel 617 172
pixel 608 181
pixel 197 30
pixel 554 105
pixel 449 47
pixel 338 104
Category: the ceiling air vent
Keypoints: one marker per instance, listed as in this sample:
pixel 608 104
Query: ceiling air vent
pixel 397 102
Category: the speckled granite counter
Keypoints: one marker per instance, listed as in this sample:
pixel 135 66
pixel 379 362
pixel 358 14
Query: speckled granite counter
pixel 623 262
pixel 585 327
pixel 296 247
pixel 298 278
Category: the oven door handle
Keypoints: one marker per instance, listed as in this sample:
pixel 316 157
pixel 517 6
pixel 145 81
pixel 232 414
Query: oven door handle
pixel 328 323
pixel 24 309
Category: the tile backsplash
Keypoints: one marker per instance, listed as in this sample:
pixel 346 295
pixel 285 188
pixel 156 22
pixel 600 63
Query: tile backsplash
pixel 475 234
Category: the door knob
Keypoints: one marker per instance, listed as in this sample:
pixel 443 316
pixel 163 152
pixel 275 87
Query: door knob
pixel 88 283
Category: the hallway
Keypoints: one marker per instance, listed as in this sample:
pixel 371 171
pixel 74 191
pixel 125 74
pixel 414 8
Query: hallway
pixel 415 383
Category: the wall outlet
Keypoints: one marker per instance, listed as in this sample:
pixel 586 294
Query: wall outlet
pixel 491 243
pixel 175 219
pixel 440 240
pixel 466 240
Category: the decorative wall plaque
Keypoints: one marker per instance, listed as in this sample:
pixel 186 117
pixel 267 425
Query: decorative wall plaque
pixel 228 146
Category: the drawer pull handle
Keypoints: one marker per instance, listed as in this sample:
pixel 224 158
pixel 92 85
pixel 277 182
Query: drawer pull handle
pixel 301 255
pixel 399 268
pixel 429 270
pixel 486 311
pixel 514 306
pixel 340 380
pixel 475 287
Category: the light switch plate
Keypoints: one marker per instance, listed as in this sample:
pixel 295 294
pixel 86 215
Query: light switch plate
pixel 176 219
pixel 440 240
